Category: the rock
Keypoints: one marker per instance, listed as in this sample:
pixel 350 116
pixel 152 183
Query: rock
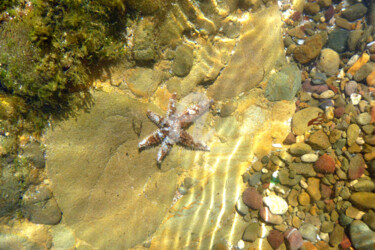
pixel 352 134
pixel 327 94
pixel 300 148
pixel 276 204
pixel 312 88
pixel 354 12
pixel 287 179
pixel 183 61
pixel 313 188
pixel 364 71
pixel 358 64
pixel 304 199
pixel 361 235
pixel 309 50
pixel 35 154
pixel 40 207
pixel 329 61
pixel 144 46
pixel 289 139
pixel 337 235
pixel 369 219
pixel 251 232
pixel 370 139
pixel 319 140
pixel 350 88
pixel 301 119
pixel 255 179
pixel 337 40
pixel 363 119
pixel 354 213
pixel 310 158
pixel 363 200
pixel 252 198
pixel 142 81
pixel 364 186
pixel 268 217
pixel 327 227
pixel 339 112
pixel 284 84
pixel 309 232
pixel 293 197
pixel 356 167
pixel 354 39
pixel 293 238
pixel 15 241
pixel 311 8
pixel 241 207
pixel 325 191
pixel 343 23
pixel 370 79
pixel 275 238
pixel 325 164
pixel 303 169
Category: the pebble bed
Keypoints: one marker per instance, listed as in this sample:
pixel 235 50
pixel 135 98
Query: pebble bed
pixel 318 191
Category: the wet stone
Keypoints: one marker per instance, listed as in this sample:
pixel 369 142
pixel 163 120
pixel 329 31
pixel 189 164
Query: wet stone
pixel 327 227
pixel 252 198
pixel 285 178
pixel 352 134
pixel 337 235
pixel 325 164
pixel 251 232
pixel 319 140
pixel 293 238
pixel 300 148
pixel 303 169
pixel 276 204
pixel 364 186
pixel 183 61
pixel 356 167
pixel 363 119
pixel 337 40
pixel 301 118
pixel 363 200
pixel 329 61
pixel 313 188
pixel 354 12
pixel 361 235
pixel 275 238
pixel 309 232
pixel 369 219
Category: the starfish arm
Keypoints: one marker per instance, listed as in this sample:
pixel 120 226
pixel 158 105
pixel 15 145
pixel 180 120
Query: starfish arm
pixel 194 112
pixel 172 105
pixel 155 118
pixel 163 151
pixel 188 141
pixel 152 139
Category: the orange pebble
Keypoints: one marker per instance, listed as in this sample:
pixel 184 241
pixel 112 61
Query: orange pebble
pixel 370 79
pixel 359 63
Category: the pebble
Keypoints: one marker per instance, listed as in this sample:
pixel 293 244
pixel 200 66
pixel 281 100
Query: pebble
pixel 300 148
pixel 309 50
pixel 357 167
pixel 363 200
pixel 268 217
pixel 361 235
pixel 354 12
pixel 327 94
pixel 363 119
pixel 251 232
pixel 276 204
pixel 325 164
pixel 307 86
pixel 275 238
pixel 313 188
pixel 310 158
pixel 337 235
pixel 241 207
pixel 325 191
pixel 319 140
pixel 350 88
pixel 369 219
pixel 327 227
pixel 364 186
pixel 370 79
pixel 358 64
pixel 293 238
pixel 354 213
pixel 309 232
pixel 364 71
pixel 252 198
pixel 352 134
pixel 329 61
pixel 304 199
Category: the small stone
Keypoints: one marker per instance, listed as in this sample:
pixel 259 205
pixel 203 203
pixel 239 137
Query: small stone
pixel 310 158
pixel 241 207
pixel 257 166
pixel 350 87
pixel 293 198
pixel 276 204
pixel 252 198
pixel 370 79
pixel 363 118
pixel 364 71
pixel 183 61
pixel 364 186
pixel 343 23
pixel 363 200
pixel 313 188
pixel 369 219
pixel 354 12
pixel 339 112
pixel 319 140
pixel 337 235
pixel 327 94
pixel 356 167
pixel 287 179
pixel 329 61
pixel 296 222
pixel 327 227
pixel 355 98
pixel 304 199
pixel 337 40
pixel 311 8
pixel 352 134
pixel 354 213
pixel 309 50
pixel 307 86
pixel 325 164
pixel 325 191
pixel 309 232
pixel 358 64
pixel 251 232
pixel 344 220
pixel 275 238
pixel 268 217
pixel 300 148
pixel 290 139
pixel 293 238
pixel 361 235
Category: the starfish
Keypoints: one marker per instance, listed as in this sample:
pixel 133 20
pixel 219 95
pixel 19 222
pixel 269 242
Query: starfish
pixel 172 128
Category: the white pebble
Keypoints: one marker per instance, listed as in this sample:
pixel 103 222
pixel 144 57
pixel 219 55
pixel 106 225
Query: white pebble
pixel 360 141
pixel 240 244
pixel 352 60
pixel 327 94
pixel 276 204
pixel 309 158
pixel 303 184
pixel 355 98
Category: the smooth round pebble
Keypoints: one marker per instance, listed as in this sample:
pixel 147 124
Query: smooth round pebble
pixel 276 204
pixel 309 158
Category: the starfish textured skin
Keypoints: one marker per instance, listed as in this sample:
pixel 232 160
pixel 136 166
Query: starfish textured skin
pixel 172 128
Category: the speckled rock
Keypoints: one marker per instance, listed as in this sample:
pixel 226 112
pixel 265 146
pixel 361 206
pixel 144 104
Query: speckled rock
pixel 301 119
pixel 350 87
pixel 329 61
pixel 183 61
pixel 325 164
pixel 352 134
pixel 363 118
pixel 312 88
pixel 319 140
pixel 361 235
pixel 309 232
pixel 252 198
pixel 363 200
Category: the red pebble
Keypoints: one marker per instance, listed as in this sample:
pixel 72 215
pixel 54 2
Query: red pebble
pixel 345 243
pixel 326 191
pixel 275 238
pixel 339 112
pixel 373 114
pixel 252 198
pixel 325 164
pixel 269 217
pixel 293 238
